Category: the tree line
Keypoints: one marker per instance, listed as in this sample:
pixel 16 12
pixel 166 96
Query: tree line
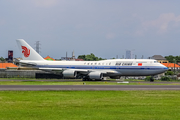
pixel 90 57
pixel 173 59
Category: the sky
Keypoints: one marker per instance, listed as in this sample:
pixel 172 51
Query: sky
pixel 106 28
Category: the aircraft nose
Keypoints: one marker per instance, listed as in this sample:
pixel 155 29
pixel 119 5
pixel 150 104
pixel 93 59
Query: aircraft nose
pixel 165 68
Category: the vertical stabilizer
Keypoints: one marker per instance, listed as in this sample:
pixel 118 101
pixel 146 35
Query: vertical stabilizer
pixel 28 53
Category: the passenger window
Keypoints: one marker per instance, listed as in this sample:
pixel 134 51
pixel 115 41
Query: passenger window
pixel 109 63
pixel 95 63
pixel 91 63
pixel 99 63
pixel 88 63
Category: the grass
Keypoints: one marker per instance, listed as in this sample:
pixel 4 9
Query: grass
pixel 89 105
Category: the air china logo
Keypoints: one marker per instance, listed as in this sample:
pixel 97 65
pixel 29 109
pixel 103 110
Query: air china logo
pixel 26 51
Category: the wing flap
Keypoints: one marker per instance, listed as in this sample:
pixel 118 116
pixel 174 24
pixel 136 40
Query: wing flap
pixel 51 69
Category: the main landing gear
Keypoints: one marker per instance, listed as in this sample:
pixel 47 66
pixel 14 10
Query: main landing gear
pixel 86 79
pixel 152 79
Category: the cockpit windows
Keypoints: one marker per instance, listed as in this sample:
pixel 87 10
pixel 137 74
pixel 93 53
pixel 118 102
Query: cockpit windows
pixel 155 61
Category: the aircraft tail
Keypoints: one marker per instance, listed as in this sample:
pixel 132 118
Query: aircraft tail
pixel 28 53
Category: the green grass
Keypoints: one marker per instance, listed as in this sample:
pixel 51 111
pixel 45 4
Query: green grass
pixel 89 105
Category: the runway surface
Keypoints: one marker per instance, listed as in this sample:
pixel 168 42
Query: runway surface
pixel 79 80
pixel 88 87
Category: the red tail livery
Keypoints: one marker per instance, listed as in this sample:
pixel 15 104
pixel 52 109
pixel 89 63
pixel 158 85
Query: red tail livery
pixel 26 51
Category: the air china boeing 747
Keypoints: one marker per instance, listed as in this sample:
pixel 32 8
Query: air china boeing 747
pixel 91 70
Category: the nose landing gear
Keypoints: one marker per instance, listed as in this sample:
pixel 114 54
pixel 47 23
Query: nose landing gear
pixel 152 79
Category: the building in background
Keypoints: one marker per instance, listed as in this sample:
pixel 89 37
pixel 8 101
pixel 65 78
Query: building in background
pixel 69 58
pixel 128 54
pixel 160 59
pixel 10 56
pixel 172 66
pixel 8 65
pixel 49 58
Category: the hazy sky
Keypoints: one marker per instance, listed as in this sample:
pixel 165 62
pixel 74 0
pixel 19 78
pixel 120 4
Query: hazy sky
pixel 104 27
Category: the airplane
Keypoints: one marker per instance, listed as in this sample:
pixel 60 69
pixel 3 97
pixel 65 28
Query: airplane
pixel 91 70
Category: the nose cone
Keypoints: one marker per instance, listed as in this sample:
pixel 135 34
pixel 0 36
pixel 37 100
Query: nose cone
pixel 164 67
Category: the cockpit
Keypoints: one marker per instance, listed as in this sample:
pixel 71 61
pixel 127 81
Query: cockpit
pixel 156 61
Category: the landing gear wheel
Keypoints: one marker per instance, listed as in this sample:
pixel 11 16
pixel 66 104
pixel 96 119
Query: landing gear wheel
pixel 151 79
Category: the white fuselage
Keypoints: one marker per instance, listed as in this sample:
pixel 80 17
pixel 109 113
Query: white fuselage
pixel 122 67
pixel 89 70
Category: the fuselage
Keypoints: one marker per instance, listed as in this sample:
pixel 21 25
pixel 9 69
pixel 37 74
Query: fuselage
pixel 123 67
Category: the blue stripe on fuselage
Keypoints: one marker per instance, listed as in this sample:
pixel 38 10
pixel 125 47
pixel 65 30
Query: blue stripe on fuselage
pixel 101 67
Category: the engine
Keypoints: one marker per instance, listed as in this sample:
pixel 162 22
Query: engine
pixel 69 74
pixel 96 75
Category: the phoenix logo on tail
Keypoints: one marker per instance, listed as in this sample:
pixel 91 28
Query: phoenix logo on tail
pixel 26 51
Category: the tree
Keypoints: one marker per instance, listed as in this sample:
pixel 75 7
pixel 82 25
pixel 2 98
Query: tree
pixel 89 57
pixel 149 78
pixel 164 78
pixel 82 57
pixel 2 59
pixel 172 59
pixel 169 73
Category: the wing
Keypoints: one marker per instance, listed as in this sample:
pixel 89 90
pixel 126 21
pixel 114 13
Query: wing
pixel 90 74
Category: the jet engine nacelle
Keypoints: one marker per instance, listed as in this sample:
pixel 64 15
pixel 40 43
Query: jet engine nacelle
pixel 96 75
pixel 69 74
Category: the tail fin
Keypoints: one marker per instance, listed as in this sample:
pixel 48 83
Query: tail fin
pixel 28 53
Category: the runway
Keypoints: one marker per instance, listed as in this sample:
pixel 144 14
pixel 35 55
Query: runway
pixel 87 87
